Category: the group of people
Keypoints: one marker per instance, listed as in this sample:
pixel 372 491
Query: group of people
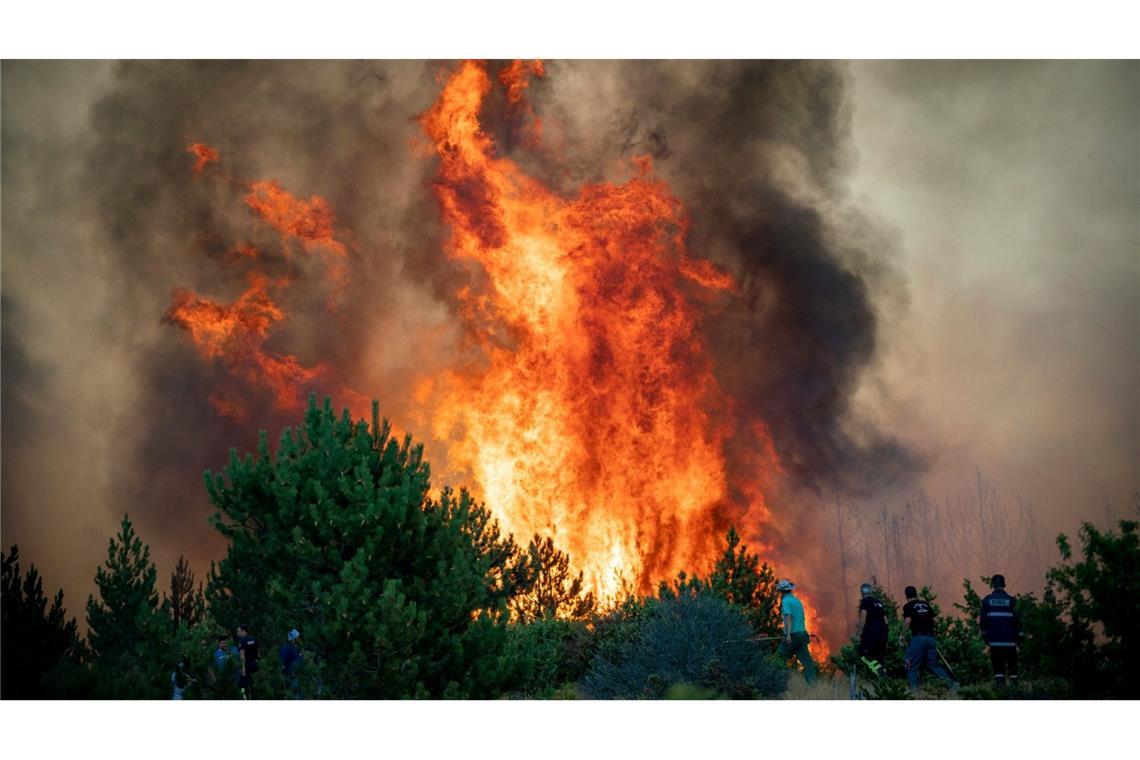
pixel 244 658
pixel 997 620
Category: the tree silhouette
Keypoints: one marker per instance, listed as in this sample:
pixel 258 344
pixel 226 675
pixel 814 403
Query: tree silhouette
pixel 35 637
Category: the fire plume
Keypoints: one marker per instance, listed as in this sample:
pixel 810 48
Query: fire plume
pixel 309 221
pixel 235 334
pixel 588 409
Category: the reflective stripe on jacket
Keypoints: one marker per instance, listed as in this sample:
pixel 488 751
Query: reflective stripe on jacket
pixel 998 619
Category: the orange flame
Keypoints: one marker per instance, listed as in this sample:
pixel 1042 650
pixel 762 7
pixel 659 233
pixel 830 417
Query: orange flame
pixel 589 411
pixel 235 334
pixel 309 221
pixel 820 651
pixel 204 155
pixel 516 79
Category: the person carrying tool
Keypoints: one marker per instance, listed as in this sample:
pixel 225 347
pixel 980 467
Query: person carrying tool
pixel 1000 629
pixel 796 637
pixel 871 629
pixel 918 618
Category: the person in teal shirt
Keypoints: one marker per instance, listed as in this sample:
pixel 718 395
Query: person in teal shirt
pixel 795 643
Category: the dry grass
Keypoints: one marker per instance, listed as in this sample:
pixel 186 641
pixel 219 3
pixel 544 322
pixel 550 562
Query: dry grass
pixel 825 687
pixel 837 686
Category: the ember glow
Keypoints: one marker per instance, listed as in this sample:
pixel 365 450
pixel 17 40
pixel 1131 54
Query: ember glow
pixel 581 403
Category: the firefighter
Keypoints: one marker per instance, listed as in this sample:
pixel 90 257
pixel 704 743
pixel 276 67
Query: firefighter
pixel 918 618
pixel 795 643
pixel 999 624
pixel 871 629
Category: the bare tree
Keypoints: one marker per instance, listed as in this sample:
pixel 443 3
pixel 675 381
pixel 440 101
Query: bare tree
pixel 848 535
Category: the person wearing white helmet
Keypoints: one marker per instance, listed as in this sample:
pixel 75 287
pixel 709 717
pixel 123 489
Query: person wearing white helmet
pixel 795 643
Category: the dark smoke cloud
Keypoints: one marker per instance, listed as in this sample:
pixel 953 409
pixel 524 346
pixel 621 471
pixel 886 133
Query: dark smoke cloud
pixel 758 151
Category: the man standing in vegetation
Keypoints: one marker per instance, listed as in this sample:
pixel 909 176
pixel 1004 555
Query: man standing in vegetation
pixel 291 662
pixel 247 649
pixel 871 629
pixel 998 621
pixel 918 617
pixel 796 637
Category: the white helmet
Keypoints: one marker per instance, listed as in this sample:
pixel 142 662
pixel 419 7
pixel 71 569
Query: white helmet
pixel 785 585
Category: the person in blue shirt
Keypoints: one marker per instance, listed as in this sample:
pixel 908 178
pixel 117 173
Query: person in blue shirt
pixel 222 654
pixel 796 638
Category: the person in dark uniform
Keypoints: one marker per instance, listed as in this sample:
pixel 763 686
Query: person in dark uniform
pixel 918 618
pixel 871 629
pixel 1000 629
pixel 247 650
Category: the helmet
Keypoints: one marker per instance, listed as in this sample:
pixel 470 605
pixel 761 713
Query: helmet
pixel 785 585
pixel 293 634
pixel 866 588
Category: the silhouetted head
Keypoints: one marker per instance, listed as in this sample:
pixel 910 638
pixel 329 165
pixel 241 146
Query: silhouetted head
pixel 998 581
pixel 911 592
pixel 241 630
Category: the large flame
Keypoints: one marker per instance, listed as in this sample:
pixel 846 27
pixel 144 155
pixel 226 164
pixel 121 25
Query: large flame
pixel 588 410
pixel 582 404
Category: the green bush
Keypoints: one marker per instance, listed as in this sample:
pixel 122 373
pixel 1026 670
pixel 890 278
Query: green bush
pixel 695 639
pixel 546 655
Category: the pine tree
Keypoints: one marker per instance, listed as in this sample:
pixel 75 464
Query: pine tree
pixel 186 603
pixel 740 579
pixel 126 635
pixel 396 594
pixel 545 588
pixel 35 638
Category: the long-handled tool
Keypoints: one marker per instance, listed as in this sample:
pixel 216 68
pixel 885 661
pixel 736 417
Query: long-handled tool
pixel 949 669
pixel 811 636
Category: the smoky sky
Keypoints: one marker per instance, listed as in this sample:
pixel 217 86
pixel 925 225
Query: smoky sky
pixel 106 407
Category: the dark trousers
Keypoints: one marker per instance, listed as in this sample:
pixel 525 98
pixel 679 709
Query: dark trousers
pixel 873 645
pixel 923 652
pixel 1004 660
pixel 798 648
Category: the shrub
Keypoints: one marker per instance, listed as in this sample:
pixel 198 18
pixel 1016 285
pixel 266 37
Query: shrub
pixel 694 639
pixel 546 655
